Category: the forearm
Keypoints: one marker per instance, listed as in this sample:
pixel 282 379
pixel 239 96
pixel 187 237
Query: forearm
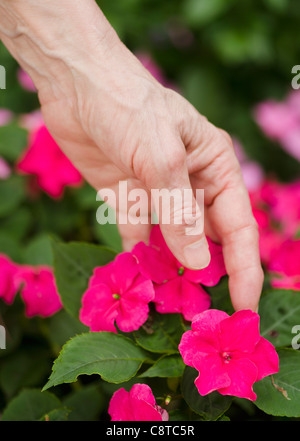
pixel 54 39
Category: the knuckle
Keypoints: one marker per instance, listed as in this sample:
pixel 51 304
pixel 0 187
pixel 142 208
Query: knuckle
pixel 227 138
pixel 168 164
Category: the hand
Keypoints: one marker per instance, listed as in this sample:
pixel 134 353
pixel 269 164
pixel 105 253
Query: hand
pixel 116 122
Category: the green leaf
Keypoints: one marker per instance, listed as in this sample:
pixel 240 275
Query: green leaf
pixel 39 251
pixel 161 333
pixel 277 5
pixel 224 418
pixel 24 368
pixel 210 407
pixel 220 296
pixel 167 366
pixel 60 327
pixel 30 405
pixel 179 415
pixel 85 197
pixel 279 394
pixel 13 140
pixel 10 246
pixel 114 357
pixel 18 223
pixel 85 404
pixel 279 312
pixel 60 414
pixel 109 235
pixel 73 266
pixel 237 45
pixel 60 218
pixel 12 318
pixel 200 12
pixel 12 193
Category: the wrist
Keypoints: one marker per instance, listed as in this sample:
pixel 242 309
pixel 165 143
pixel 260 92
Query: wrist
pixel 52 40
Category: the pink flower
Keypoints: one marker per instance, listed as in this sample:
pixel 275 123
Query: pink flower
pixel 8 283
pixel 38 291
pixel 281 122
pixel 5 117
pixel 276 207
pixel 252 172
pixel 228 352
pixel 154 69
pixel 45 160
pixel 117 292
pixel 275 118
pixel 137 405
pixel 293 101
pixel 285 207
pixel 291 142
pixel 31 121
pixel 285 265
pixel 282 201
pixel 5 170
pixel 178 289
pixel 270 241
pixel 25 80
pixel 269 238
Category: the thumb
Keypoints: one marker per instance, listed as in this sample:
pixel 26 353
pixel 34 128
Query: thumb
pixel 180 211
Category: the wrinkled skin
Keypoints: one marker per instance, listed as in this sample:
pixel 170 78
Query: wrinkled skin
pixel 116 122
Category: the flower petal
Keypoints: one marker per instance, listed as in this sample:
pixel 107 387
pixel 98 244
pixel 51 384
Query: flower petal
pixel 242 373
pixel 142 290
pixel 168 296
pixel 9 280
pixel 212 375
pixel 158 242
pixel 120 406
pixel 194 299
pixel 102 274
pixel 39 291
pixel 99 309
pixel 208 322
pixel 137 405
pixel 265 358
pixel 192 344
pixel 125 270
pixel 131 314
pixel 143 392
pixel 145 412
pixel 153 263
pixel 240 332
pixel 212 274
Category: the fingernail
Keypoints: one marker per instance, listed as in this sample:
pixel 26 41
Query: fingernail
pixel 197 254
